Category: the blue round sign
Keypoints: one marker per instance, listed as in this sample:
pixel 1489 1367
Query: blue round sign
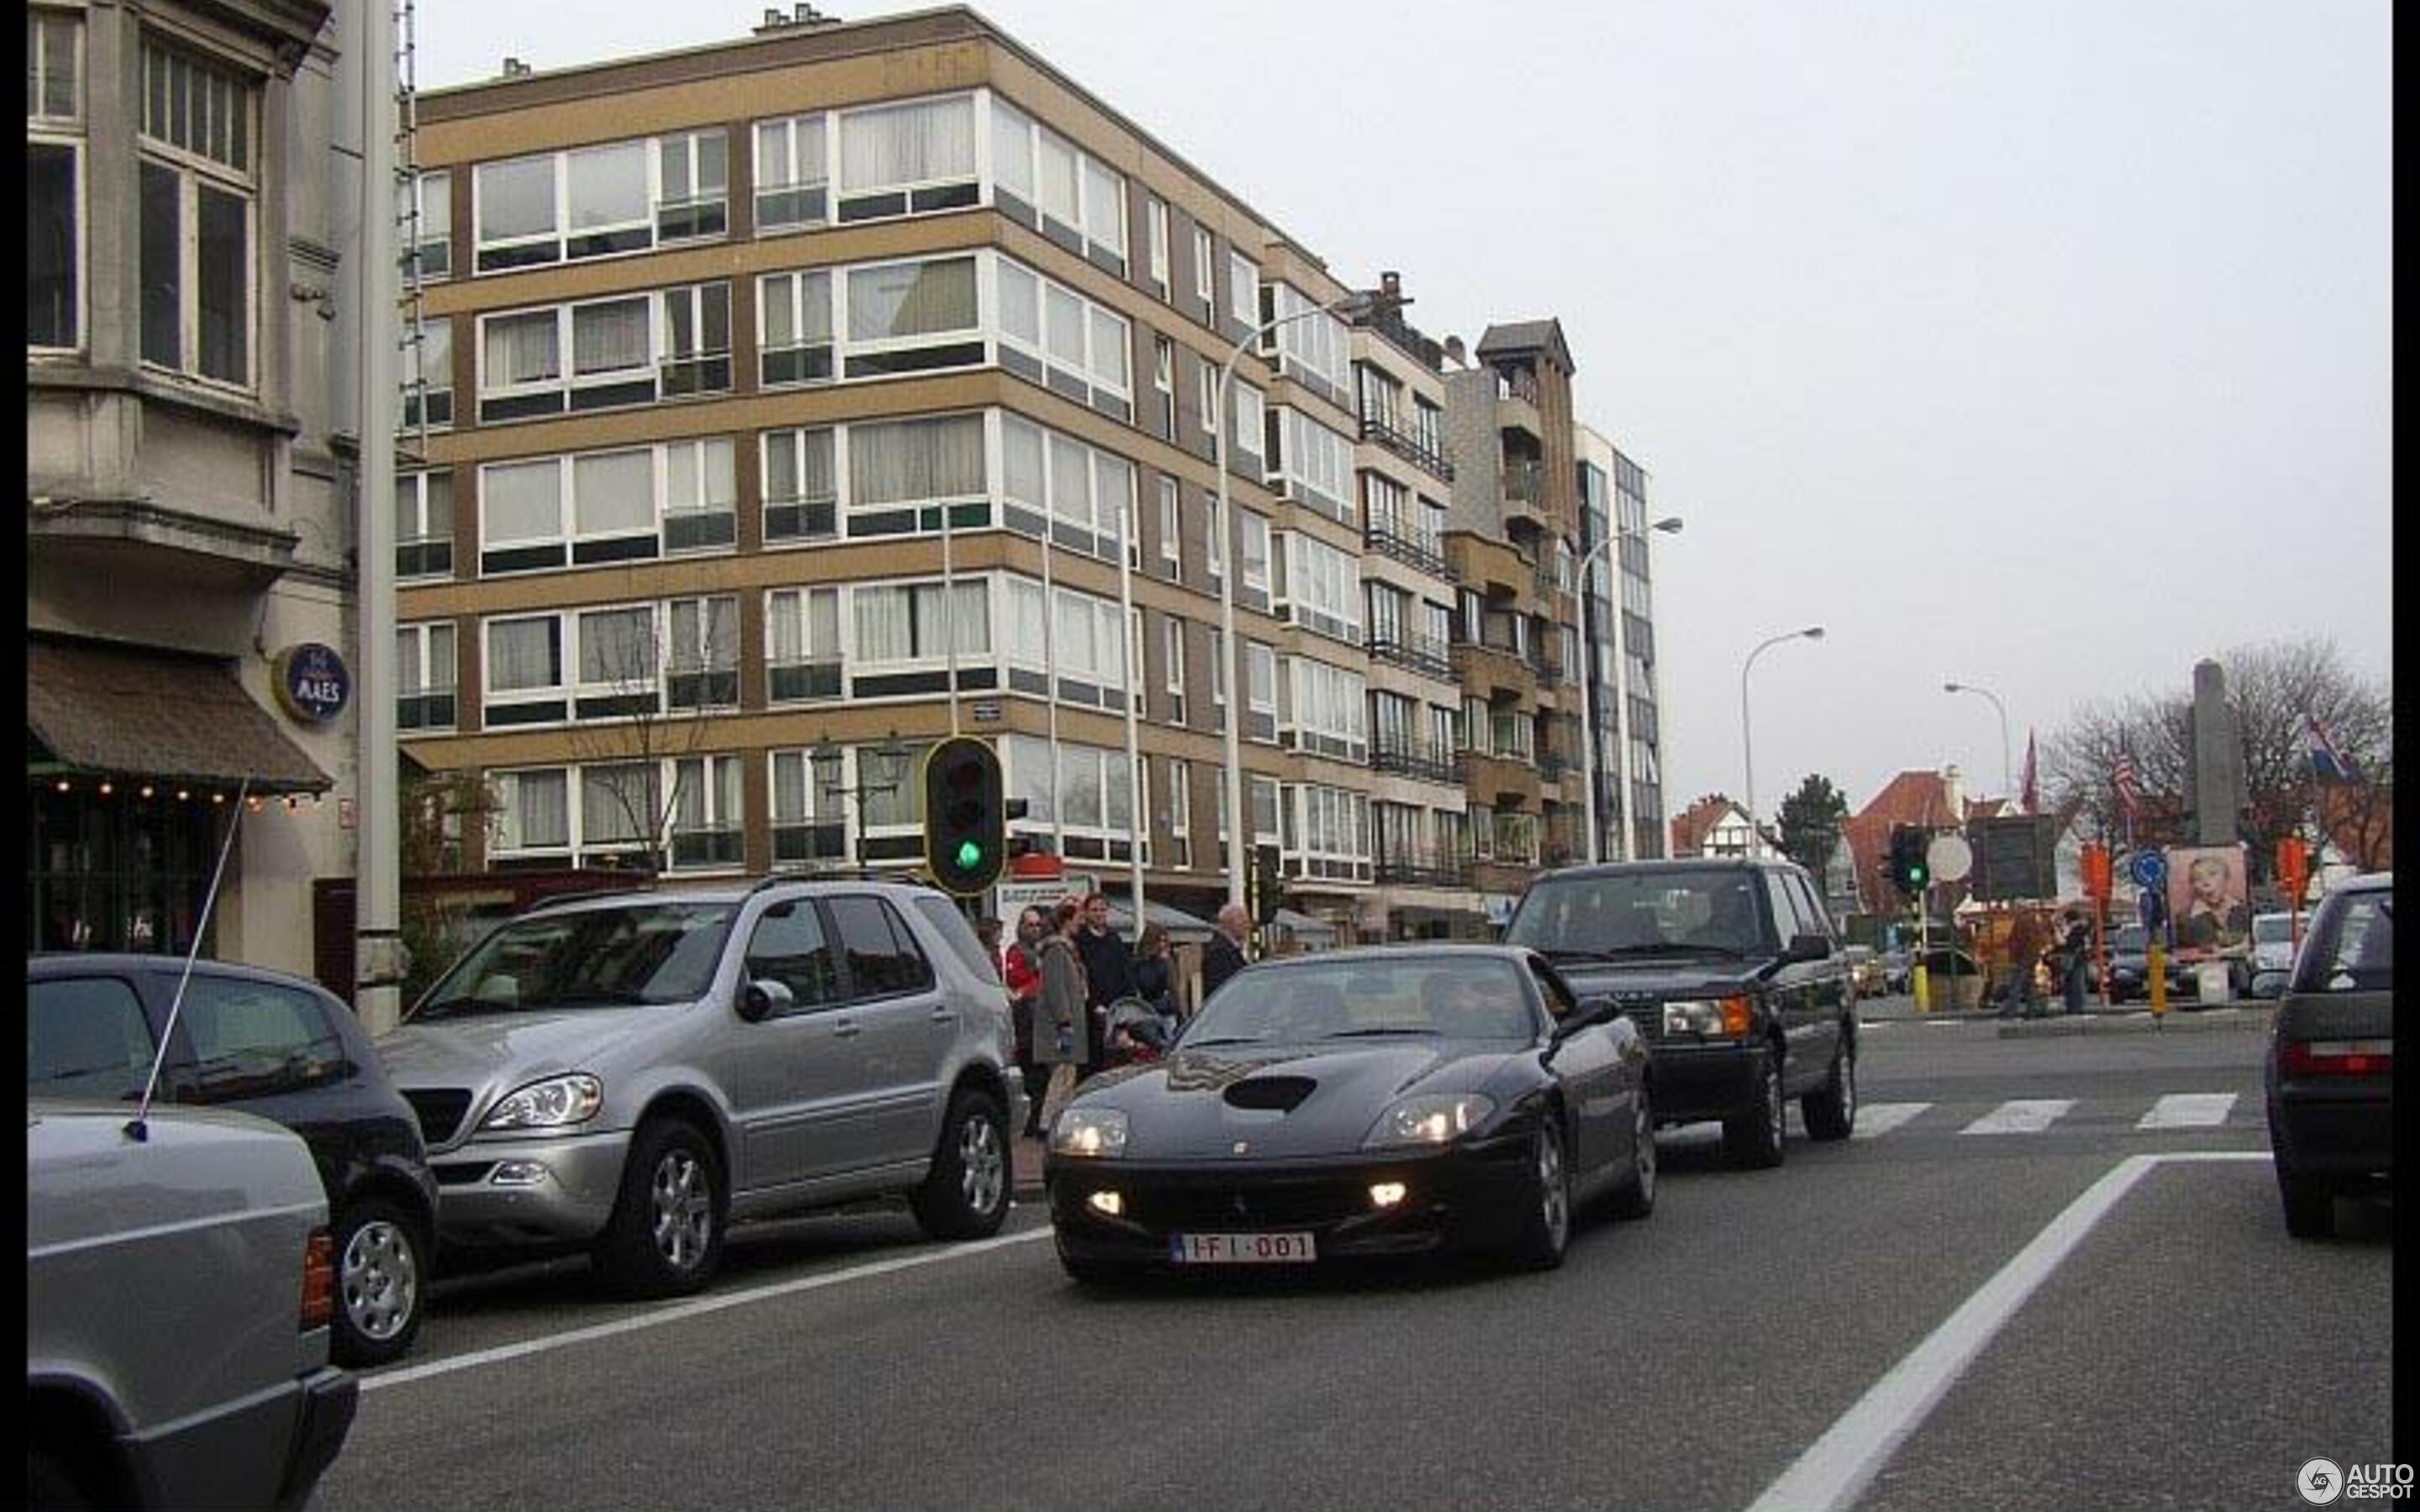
pixel 313 682
pixel 2148 869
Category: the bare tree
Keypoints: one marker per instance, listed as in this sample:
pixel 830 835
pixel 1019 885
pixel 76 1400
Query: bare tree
pixel 662 671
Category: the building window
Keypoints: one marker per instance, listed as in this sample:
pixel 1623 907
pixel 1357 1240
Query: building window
pixel 1172 653
pixel 1320 588
pixel 1055 336
pixel 1204 269
pixel 696 338
pixel 1245 440
pixel 54 180
pixel 1171 544
pixel 913 316
pixel 599 201
pixel 899 624
pixel 795 318
pixel 1048 182
pixel 701 496
pixel 903 475
pixel 633 348
pixel 701 653
pixel 1326 709
pixel 908 159
pixel 1254 532
pixel 1079 490
pixel 707 822
pixel 1163 383
pixel 1260 691
pixel 1314 464
pixel 693 185
pixel 424 530
pixel 194 210
pixel 801 494
pixel 1242 289
pixel 428 375
pixel 803 649
pixel 425 669
pixel 595 507
pixel 793 175
pixel 1155 217
pixel 1314 349
pixel 428 225
pixel 1180 813
pixel 810 819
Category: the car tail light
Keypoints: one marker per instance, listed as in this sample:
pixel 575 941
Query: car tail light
pixel 2338 1057
pixel 318 1280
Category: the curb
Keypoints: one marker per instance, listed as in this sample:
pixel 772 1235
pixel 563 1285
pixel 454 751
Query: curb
pixel 2238 1017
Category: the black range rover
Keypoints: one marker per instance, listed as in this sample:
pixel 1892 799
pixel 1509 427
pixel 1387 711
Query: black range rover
pixel 1735 972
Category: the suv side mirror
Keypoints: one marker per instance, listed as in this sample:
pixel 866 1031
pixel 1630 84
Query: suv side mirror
pixel 763 998
pixel 1808 948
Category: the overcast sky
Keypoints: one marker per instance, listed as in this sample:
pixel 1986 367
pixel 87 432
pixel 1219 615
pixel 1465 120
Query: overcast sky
pixel 2042 347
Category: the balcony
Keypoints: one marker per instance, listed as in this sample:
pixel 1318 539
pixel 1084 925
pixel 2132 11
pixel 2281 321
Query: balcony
pixel 1516 403
pixel 1488 562
pixel 1484 663
pixel 1421 454
pixel 1526 497
pixel 1415 866
pixel 1416 653
pixel 1412 548
pixel 1426 760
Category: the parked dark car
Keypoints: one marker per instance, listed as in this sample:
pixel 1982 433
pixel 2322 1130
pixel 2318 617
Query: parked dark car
pixel 2129 965
pixel 282 1048
pixel 2330 1076
pixel 1733 969
pixel 1358 1103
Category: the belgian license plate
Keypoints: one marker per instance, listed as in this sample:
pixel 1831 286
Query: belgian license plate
pixel 1240 1249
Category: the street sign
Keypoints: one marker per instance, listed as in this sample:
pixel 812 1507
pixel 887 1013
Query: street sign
pixel 2149 869
pixel 1949 858
pixel 2016 857
pixel 2095 870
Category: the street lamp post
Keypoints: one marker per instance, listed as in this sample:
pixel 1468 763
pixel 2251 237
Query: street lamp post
pixel 1670 525
pixel 2008 784
pixel 1356 304
pixel 1748 751
pixel 891 762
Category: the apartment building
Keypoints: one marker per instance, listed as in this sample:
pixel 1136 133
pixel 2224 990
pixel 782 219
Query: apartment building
pixel 1619 634
pixel 795 401
pixel 1514 513
pixel 189 431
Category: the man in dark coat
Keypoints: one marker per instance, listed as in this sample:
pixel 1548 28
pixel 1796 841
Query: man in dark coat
pixel 1224 955
pixel 1109 968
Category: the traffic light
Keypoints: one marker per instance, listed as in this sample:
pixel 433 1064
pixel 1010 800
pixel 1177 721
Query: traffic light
pixel 1908 870
pixel 965 840
pixel 1266 884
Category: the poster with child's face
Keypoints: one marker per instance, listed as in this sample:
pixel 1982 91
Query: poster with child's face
pixel 2209 899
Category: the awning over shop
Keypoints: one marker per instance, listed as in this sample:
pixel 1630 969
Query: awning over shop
pixel 1305 928
pixel 1183 927
pixel 131 712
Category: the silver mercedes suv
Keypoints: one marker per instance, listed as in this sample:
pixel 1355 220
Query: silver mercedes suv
pixel 630 1073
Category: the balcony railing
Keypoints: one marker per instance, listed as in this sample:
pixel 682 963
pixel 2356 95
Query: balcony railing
pixel 1408 446
pixel 1419 652
pixel 1426 760
pixel 1414 549
pixel 1418 866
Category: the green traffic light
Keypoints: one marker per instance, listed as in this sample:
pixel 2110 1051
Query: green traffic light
pixel 970 856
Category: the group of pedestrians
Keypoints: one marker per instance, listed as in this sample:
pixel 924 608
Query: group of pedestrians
pixel 1067 968
pixel 2064 948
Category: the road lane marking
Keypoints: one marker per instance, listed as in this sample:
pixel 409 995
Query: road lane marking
pixel 2021 1115
pixel 2189 1110
pixel 684 1311
pixel 1875 1119
pixel 1837 1468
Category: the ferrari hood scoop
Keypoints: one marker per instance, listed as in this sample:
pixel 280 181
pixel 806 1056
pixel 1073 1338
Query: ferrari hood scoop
pixel 1280 1094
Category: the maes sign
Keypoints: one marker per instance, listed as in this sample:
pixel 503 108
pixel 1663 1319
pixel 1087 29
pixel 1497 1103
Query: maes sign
pixel 2015 857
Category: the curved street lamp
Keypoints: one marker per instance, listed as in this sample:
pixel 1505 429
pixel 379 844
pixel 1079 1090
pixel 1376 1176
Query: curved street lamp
pixel 1670 525
pixel 2008 784
pixel 1748 751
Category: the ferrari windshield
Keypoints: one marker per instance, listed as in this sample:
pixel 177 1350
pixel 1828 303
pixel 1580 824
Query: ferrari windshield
pixel 1479 997
pixel 645 952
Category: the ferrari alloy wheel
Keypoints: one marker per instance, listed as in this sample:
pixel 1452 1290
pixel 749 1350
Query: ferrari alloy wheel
pixel 1548 1231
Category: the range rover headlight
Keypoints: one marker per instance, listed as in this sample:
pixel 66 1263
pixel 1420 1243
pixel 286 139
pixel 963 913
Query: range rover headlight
pixel 1709 1018
pixel 556 1103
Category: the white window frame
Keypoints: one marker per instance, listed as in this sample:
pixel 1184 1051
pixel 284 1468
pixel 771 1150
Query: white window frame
pixel 195 169
pixel 1243 287
pixel 714 454
pixel 1206 275
pixel 570 384
pixel 842 193
pixel 793 439
pixel 1313 466
pixel 713 767
pixel 1173 654
pixel 798 288
pixel 45 130
pixel 1105 331
pixel 1171 543
pixel 706 667
pixel 411 526
pixel 647 226
pixel 1155 215
pixel 976 332
pixel 765 184
pixel 1322 587
pixel 812 654
pixel 1180 812
pixel 1252 528
pixel 442 675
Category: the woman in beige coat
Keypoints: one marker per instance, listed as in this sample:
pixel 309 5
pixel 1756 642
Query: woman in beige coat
pixel 1059 1020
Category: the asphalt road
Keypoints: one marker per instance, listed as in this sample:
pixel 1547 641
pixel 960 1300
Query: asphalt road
pixel 2178 1351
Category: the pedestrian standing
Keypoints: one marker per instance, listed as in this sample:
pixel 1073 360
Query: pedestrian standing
pixel 2076 942
pixel 1059 1037
pixel 1155 971
pixel 1108 969
pixel 2026 941
pixel 1021 968
pixel 987 931
pixel 1224 955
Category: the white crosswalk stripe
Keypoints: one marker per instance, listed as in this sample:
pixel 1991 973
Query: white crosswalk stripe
pixel 2021 1115
pixel 2189 1110
pixel 1875 1119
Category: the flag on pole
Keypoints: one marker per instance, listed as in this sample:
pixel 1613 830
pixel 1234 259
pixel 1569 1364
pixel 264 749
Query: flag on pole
pixel 2121 777
pixel 2030 791
pixel 2328 763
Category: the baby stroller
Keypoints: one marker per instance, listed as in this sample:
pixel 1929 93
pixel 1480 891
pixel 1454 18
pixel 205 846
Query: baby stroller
pixel 1133 1033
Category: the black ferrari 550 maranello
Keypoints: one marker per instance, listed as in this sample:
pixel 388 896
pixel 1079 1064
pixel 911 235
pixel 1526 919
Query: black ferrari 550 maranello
pixel 1353 1103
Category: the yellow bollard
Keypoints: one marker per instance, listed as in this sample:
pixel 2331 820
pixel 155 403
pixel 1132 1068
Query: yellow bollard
pixel 1923 995
pixel 2155 967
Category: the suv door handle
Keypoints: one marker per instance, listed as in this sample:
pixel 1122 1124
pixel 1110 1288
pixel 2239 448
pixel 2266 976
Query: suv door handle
pixel 943 1014
pixel 844 1028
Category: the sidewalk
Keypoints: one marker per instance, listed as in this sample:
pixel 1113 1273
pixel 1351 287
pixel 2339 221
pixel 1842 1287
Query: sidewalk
pixel 1025 1160
pixel 2096 1017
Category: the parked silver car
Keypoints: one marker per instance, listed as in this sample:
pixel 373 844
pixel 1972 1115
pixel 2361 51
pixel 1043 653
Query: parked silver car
pixel 179 1291
pixel 630 1073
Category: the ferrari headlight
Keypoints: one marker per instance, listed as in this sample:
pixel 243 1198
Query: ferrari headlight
pixel 1429 1119
pixel 556 1103
pixel 1714 1018
pixel 1093 1133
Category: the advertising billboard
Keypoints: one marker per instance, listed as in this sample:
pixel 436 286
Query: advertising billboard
pixel 2209 900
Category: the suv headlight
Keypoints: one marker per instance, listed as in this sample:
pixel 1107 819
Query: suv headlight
pixel 1094 1133
pixel 1429 1118
pixel 1712 1018
pixel 555 1103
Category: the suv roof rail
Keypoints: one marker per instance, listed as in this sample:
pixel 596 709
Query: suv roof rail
pixel 584 895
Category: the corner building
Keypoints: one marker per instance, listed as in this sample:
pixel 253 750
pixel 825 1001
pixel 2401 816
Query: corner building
pixel 785 398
